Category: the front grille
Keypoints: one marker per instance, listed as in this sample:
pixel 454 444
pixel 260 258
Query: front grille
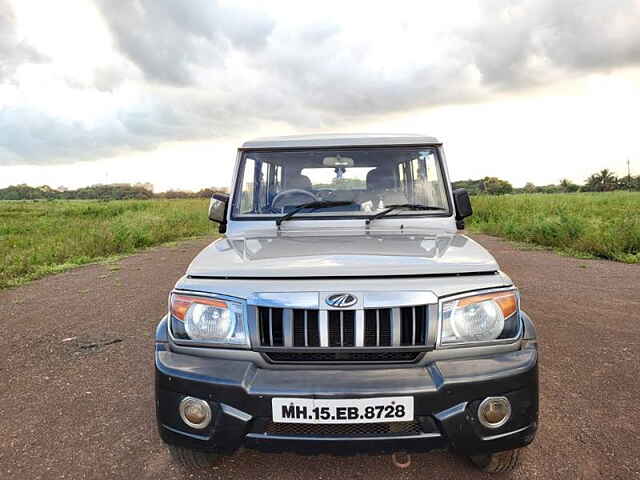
pixel 343 430
pixel 377 327
pixel 370 327
pixel 343 357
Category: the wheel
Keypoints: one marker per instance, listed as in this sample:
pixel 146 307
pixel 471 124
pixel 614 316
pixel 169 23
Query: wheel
pixel 192 459
pixel 497 462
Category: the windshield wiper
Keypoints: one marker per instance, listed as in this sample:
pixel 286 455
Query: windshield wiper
pixel 402 206
pixel 312 206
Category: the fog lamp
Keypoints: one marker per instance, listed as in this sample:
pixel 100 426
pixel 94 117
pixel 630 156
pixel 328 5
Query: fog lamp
pixel 195 412
pixel 494 412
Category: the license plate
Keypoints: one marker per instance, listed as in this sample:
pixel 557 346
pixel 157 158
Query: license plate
pixel 355 410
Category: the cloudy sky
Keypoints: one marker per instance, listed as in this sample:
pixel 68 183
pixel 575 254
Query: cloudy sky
pixel 164 90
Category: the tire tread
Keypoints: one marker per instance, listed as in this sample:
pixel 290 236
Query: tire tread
pixel 192 459
pixel 498 462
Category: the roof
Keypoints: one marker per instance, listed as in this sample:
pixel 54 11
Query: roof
pixel 341 140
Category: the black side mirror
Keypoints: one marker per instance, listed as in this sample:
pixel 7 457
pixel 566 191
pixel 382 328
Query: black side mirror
pixel 463 206
pixel 218 206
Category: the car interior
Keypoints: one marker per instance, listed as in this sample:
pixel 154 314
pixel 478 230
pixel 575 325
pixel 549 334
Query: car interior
pixel 275 182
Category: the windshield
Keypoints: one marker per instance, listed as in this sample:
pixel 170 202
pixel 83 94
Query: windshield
pixel 363 180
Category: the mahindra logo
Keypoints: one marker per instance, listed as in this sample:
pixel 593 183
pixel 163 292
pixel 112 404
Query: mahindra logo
pixel 341 300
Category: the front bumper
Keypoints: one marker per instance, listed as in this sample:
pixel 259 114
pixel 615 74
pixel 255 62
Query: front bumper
pixel 446 397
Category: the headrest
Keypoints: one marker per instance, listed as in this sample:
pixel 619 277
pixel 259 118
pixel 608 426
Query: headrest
pixel 380 179
pixel 298 181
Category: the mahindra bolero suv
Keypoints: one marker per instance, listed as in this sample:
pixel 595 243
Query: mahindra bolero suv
pixel 342 312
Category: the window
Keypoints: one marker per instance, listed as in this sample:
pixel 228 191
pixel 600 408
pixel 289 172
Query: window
pixel 248 186
pixel 272 183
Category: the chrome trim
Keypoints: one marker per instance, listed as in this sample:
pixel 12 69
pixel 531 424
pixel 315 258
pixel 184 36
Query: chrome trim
pixel 502 435
pixel 359 326
pixel 443 300
pixel 324 302
pixel 323 327
pixel 366 299
pixel 397 299
pixel 287 327
pixel 341 300
pixel 307 300
pixel 234 412
pixel 315 301
pixel 487 424
pixel 396 326
pixel 207 418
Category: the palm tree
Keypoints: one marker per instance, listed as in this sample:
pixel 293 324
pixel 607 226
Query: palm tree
pixel 603 181
pixel 608 179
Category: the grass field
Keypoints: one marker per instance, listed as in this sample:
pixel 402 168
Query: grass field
pixel 39 238
pixel 590 225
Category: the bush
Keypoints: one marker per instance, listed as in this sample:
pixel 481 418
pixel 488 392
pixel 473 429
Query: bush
pixel 37 238
pixel 603 225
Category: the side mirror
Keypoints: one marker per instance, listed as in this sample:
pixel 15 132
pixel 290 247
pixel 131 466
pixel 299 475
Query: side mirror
pixel 463 206
pixel 218 210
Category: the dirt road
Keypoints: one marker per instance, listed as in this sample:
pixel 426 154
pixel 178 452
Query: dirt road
pixel 76 363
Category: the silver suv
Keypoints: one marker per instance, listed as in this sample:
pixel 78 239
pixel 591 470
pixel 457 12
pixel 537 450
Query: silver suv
pixel 341 311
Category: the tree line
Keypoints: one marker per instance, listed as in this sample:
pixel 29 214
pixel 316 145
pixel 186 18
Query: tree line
pixel 603 181
pixel 117 191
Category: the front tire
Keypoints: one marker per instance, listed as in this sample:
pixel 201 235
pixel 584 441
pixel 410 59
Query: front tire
pixel 497 462
pixel 193 459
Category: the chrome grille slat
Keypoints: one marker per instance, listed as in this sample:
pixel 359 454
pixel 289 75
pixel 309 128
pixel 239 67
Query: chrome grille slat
pixel 323 327
pixel 359 328
pixel 413 325
pixel 297 329
pixel 306 328
pixel 395 327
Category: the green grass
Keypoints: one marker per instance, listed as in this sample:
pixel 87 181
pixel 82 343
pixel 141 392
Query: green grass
pixel 42 237
pixel 585 225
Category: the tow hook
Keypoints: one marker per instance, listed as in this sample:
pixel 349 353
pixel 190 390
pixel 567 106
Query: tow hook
pixel 401 459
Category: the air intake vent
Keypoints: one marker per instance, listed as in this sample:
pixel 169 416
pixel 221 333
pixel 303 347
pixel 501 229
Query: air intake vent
pixel 354 331
pixel 271 328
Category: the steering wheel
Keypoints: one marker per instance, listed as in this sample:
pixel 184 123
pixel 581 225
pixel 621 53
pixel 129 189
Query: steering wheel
pixel 325 193
pixel 279 201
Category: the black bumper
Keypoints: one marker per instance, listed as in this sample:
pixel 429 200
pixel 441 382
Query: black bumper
pixel 446 396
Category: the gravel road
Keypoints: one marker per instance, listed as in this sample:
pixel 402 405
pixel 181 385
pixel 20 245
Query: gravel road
pixel 76 363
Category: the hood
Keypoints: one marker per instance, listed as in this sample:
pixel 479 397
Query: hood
pixel 341 254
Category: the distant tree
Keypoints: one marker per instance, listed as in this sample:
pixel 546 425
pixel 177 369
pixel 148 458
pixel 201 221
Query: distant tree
pixel 529 188
pixel 603 181
pixel 496 186
pixel 568 186
pixel 473 187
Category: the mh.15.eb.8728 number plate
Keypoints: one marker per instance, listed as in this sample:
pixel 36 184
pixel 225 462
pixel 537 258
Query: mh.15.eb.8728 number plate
pixel 355 410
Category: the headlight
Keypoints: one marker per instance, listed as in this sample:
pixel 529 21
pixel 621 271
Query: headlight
pixel 207 320
pixel 480 318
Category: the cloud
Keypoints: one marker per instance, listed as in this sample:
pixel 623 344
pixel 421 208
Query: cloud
pixel 168 40
pixel 208 70
pixel 13 52
pixel 528 43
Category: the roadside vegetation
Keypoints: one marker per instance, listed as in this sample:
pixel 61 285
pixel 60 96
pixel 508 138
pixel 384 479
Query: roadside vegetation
pixel 603 181
pixel 42 237
pixel 589 225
